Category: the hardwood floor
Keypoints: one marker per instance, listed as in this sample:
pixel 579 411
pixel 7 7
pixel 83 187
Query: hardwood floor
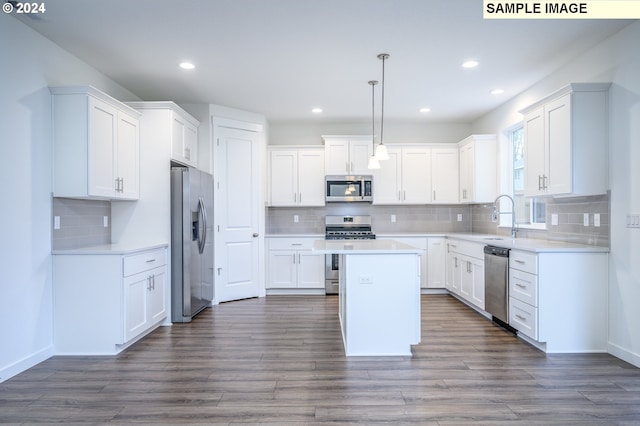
pixel 279 360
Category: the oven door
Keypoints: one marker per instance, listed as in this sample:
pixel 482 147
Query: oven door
pixel 331 273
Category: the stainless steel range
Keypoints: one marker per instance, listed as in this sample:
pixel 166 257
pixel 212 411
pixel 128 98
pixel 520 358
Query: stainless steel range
pixel 343 228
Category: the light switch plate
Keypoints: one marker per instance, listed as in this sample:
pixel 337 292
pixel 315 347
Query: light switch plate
pixel 105 221
pixel 585 219
pixel 459 217
pixel 633 221
pixel 393 218
pixel 596 219
pixel 554 219
pixel 56 222
pixel 296 218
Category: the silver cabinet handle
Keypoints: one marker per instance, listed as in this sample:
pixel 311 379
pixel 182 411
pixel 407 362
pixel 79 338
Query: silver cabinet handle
pixel 294 197
pixel 255 235
pixel 399 198
pixel 351 169
pixel 521 318
pixel 405 195
pixel 521 285
pixel 544 182
pixel 219 270
pixel 296 244
pixel 434 195
pixel 300 197
pixel 522 262
pixel 294 258
pixel 151 260
pixel 346 164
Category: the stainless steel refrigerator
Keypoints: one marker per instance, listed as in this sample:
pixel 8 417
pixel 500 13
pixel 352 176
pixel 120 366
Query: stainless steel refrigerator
pixel 191 242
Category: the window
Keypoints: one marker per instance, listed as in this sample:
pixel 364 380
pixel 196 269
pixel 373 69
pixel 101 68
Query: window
pixel 530 212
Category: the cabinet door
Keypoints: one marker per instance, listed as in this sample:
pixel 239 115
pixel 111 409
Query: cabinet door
pixel 467 173
pixel 534 153
pixel 436 263
pixel 336 157
pixel 190 145
pixel 311 178
pixel 445 177
pixel 359 153
pixel 466 278
pixel 127 154
pixel 102 139
pixel 136 288
pixel 282 269
pixel 416 175
pixel 310 269
pixel 283 175
pixel 177 139
pixel 387 181
pixel 477 271
pixel 157 296
pixel 557 117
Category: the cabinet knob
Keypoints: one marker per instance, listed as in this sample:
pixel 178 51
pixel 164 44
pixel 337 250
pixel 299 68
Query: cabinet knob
pixel 255 235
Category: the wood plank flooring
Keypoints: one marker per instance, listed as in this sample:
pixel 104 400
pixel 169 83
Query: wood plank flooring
pixel 279 360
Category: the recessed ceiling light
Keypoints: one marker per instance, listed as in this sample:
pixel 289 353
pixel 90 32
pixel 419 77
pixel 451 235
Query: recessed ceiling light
pixel 316 110
pixel 425 110
pixel 470 64
pixel 187 65
pixel 497 91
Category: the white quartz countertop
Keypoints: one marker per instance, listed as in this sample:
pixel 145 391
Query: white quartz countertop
pixel 528 244
pixel 363 247
pixel 109 249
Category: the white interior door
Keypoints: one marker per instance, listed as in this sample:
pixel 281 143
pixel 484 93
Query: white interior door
pixel 237 209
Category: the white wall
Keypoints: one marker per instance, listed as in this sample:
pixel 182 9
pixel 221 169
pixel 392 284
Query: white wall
pixel 309 133
pixel 30 63
pixel 616 60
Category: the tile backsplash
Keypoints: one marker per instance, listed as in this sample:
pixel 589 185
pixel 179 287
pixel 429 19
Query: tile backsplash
pixel 434 218
pixel 81 223
pixel 570 227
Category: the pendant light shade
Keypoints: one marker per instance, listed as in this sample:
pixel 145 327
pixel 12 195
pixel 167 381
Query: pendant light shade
pixel 381 150
pixel 373 160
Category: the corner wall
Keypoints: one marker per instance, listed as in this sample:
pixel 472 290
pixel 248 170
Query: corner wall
pixel 31 63
pixel 615 60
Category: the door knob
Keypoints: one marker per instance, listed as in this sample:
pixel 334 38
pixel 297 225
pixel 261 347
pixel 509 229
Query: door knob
pixel 255 235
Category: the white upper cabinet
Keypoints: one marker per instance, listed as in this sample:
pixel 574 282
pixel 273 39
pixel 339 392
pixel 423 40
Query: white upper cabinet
pixel 184 140
pixel 445 179
pixel 347 155
pixel 296 177
pixel 405 178
pixel 478 169
pixel 96 142
pixel 566 142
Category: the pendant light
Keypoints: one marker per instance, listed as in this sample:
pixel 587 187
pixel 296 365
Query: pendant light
pixel 373 160
pixel 381 150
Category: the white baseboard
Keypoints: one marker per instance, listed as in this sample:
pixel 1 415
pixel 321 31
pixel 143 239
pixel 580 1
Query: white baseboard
pixel 624 354
pixel 25 363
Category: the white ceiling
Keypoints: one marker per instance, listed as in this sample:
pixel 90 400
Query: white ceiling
pixel 280 58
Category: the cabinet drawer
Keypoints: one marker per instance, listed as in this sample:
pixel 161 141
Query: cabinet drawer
pixel 291 243
pixel 523 317
pixel 523 286
pixel 523 261
pixel 136 263
pixel 467 248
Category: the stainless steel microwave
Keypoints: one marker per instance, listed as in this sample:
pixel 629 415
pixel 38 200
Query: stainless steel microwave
pixel 348 189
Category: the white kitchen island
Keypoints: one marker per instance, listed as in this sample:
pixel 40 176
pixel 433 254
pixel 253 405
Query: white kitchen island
pixel 379 298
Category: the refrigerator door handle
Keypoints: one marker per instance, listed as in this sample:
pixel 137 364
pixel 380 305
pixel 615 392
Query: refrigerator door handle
pixel 202 236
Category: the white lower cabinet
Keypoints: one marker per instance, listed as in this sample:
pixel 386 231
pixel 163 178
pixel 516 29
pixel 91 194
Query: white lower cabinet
pixel 436 262
pixel 465 270
pixel 104 301
pixel 559 300
pixel 291 264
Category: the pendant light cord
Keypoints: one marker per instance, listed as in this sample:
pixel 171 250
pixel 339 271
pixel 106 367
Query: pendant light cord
pixel 373 111
pixel 383 57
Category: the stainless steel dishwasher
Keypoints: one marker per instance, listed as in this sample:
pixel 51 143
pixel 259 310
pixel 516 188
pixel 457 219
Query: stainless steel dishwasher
pixel 496 284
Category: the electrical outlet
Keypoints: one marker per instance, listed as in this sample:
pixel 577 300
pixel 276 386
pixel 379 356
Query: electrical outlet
pixel 393 218
pixel 105 221
pixel 554 219
pixel 585 219
pixel 296 218
pixel 56 222
pixel 366 279
pixel 596 219
pixel 459 217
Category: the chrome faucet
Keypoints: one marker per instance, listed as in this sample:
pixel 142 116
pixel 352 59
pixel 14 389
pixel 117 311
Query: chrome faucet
pixel 496 212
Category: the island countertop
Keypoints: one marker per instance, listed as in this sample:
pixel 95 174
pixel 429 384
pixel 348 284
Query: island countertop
pixel 363 247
